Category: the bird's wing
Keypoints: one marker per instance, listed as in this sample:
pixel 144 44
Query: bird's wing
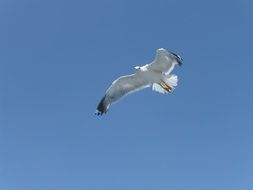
pixel 163 67
pixel 162 63
pixel 119 88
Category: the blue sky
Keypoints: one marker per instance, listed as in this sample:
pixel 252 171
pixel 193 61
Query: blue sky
pixel 57 58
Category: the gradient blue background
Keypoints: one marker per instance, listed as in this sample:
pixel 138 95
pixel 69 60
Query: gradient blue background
pixel 58 58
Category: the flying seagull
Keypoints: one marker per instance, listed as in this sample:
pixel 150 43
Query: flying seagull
pixel 156 74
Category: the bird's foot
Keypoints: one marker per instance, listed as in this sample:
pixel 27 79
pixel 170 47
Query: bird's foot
pixel 165 86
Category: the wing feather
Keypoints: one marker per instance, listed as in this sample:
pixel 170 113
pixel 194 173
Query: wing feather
pixel 162 67
pixel 120 88
pixel 162 63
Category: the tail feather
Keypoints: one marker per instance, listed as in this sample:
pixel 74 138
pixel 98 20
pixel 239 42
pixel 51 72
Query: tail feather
pixel 156 87
pixel 171 80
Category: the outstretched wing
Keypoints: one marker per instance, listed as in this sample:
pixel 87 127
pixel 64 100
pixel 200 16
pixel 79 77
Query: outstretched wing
pixel 119 88
pixel 165 61
pixel 162 63
pixel 163 67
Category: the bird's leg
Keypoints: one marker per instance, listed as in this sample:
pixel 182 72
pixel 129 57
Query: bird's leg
pixel 165 86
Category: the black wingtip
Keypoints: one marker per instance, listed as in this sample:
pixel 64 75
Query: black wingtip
pixel 101 108
pixel 180 63
pixel 99 113
pixel 178 58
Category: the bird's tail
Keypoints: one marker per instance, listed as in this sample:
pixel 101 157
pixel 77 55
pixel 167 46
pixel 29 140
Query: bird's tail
pixel 172 80
pixel 168 85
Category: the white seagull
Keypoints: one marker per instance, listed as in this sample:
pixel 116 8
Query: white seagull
pixel 156 74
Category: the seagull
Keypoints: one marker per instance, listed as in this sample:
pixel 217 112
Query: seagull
pixel 156 74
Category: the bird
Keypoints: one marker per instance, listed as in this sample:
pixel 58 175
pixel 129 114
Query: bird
pixel 156 74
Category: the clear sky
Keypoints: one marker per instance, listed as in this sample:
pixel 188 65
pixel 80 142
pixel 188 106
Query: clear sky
pixel 57 58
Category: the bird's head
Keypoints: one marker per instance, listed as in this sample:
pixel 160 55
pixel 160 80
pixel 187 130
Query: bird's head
pixel 171 55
